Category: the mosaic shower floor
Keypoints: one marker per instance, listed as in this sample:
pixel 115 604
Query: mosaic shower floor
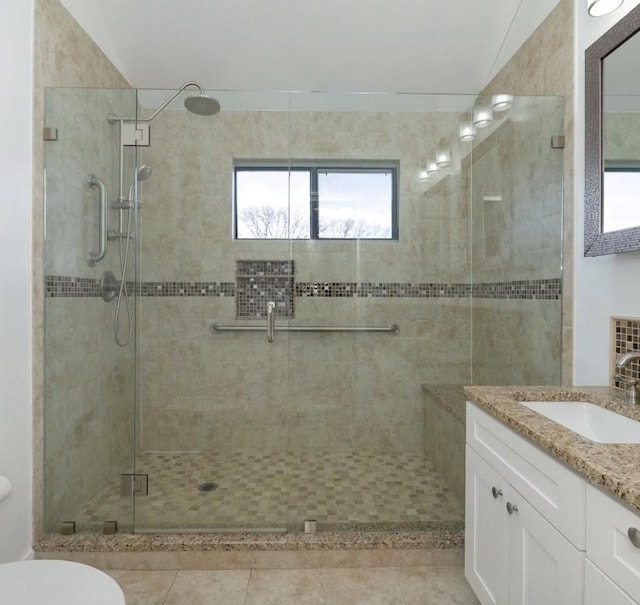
pixel 342 491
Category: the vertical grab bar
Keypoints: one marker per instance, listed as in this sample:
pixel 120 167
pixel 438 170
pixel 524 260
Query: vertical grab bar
pixel 95 257
pixel 271 320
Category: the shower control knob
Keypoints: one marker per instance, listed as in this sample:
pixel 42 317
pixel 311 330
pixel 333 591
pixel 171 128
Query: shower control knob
pixel 511 508
pixel 496 492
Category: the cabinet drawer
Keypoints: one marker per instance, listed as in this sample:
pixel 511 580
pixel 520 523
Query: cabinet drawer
pixel 554 490
pixel 599 589
pixel 608 543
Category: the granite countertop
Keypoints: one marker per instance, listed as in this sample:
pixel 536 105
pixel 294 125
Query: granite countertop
pixel 614 466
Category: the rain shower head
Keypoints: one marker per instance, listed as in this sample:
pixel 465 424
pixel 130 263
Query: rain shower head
pixel 202 104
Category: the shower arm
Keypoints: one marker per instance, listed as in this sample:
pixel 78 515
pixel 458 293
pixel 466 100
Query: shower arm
pixel 171 98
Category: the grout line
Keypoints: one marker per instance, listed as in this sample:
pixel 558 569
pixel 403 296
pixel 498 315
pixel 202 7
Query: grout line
pixel 177 571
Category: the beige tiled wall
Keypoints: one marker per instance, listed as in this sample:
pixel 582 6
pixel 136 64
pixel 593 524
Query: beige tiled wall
pixel 544 66
pixel 517 209
pixel 65 56
pixel 336 391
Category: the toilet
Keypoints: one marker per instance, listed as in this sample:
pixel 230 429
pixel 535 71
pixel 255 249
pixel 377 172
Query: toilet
pixel 51 582
pixel 54 582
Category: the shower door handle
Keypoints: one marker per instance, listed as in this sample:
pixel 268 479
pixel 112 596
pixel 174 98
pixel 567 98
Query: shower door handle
pixel 95 257
pixel 271 320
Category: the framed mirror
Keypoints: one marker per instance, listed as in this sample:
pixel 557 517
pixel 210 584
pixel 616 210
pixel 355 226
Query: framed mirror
pixel 612 140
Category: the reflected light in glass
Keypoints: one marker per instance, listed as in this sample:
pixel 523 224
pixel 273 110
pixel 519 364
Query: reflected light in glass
pixel 432 167
pixel 443 155
pixel 482 115
pixel 599 8
pixel 502 102
pixel 467 131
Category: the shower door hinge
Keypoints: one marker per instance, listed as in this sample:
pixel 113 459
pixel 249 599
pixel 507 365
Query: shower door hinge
pixel 134 485
pixel 134 135
pixel 557 141
pixel 49 133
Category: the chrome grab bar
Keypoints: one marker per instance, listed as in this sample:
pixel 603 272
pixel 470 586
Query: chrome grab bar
pixel 271 320
pixel 95 257
pixel 392 329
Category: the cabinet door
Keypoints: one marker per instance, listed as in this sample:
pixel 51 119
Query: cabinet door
pixel 544 567
pixel 599 589
pixel 609 544
pixel 486 526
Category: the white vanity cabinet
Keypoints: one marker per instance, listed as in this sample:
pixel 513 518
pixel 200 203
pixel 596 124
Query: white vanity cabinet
pixel 611 550
pixel 525 514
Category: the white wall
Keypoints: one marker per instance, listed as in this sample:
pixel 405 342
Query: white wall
pixel 606 285
pixel 16 50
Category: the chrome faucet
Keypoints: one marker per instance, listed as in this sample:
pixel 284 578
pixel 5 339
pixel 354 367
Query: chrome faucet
pixel 632 396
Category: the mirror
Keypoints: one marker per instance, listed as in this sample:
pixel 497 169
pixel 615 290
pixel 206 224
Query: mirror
pixel 612 140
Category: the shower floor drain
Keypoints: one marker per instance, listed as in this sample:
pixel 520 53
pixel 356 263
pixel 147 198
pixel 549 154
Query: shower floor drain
pixel 209 486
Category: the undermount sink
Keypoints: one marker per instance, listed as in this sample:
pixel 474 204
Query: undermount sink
pixel 591 421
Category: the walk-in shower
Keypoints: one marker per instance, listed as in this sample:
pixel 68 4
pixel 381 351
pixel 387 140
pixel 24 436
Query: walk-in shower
pixel 356 429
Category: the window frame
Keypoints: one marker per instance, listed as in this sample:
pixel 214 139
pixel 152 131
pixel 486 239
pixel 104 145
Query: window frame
pixel 314 167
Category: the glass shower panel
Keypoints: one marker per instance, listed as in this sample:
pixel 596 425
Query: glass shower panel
pixel 211 426
pixel 359 461
pixel 89 379
pixel 517 246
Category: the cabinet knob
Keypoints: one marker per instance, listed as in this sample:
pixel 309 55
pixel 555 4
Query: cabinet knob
pixel 511 508
pixel 634 536
pixel 496 492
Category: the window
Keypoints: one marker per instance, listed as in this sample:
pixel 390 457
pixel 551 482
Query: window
pixel 621 184
pixel 328 200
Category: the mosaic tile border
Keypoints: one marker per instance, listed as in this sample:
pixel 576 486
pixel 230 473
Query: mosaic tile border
pixel 528 289
pixel 180 288
pixel 537 289
pixel 534 289
pixel 57 286
pixel 625 337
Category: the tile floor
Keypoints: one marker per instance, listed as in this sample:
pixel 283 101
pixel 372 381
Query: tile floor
pixel 261 489
pixel 369 586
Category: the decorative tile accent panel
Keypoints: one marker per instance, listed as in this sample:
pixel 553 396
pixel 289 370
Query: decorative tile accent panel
pixel 258 282
pixel 261 268
pixel 625 336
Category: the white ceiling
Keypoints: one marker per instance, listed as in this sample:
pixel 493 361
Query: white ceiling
pixel 452 46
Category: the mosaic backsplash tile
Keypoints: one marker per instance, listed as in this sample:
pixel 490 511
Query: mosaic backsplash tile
pixel 258 282
pixel 625 337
